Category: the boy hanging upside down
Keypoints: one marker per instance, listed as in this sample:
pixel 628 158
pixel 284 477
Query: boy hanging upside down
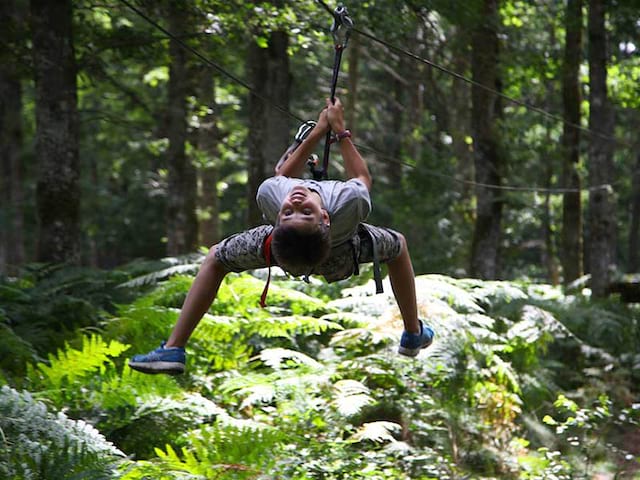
pixel 315 227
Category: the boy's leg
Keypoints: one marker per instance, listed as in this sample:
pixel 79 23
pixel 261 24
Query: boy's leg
pixel 392 249
pixel 200 297
pixel 237 253
pixel 403 285
pixel 170 357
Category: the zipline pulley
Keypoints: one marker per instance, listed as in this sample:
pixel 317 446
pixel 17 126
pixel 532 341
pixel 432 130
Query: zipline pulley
pixel 340 30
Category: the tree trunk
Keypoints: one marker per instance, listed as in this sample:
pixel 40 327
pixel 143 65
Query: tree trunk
pixel 56 140
pixel 485 109
pixel 182 224
pixel 268 127
pixel 549 259
pixel 12 252
pixel 602 215
pixel 208 138
pixel 634 227
pixel 571 203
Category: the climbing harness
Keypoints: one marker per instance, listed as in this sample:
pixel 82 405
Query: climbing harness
pixel 340 31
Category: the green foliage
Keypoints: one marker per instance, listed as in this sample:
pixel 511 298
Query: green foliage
pixel 307 389
pixel 38 444
pixel 49 302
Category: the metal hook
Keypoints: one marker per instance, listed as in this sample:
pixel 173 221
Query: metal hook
pixel 341 28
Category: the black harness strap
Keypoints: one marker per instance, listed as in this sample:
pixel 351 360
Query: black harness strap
pixel 340 31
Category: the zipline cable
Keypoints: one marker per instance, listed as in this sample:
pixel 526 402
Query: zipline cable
pixel 209 62
pixel 470 81
pixel 516 101
pixel 284 110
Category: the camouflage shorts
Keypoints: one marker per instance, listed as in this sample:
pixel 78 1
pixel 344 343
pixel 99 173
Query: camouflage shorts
pixel 243 251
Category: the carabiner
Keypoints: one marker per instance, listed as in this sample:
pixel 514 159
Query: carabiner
pixel 341 28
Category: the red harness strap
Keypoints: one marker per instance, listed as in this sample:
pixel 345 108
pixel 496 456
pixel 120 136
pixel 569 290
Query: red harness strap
pixel 266 253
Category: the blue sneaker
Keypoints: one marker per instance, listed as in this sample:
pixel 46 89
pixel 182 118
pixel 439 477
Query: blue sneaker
pixel 161 360
pixel 411 343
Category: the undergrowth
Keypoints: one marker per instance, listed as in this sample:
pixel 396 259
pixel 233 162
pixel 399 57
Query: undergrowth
pixel 522 381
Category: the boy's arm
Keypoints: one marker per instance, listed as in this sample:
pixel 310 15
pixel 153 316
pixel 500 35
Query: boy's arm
pixel 295 163
pixel 354 164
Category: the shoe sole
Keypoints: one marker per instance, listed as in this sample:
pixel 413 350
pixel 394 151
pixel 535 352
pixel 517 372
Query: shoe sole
pixel 412 352
pixel 170 368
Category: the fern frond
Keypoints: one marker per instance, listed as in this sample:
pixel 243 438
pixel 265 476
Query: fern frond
pixel 288 326
pixel 302 375
pixel 155 277
pixel 275 357
pixel 36 440
pixel 240 294
pixel 351 396
pixel 491 293
pixel 449 290
pixel 362 339
pixel 378 432
pixel 70 364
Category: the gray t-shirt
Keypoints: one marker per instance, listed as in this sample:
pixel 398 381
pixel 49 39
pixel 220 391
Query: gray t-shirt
pixel 348 203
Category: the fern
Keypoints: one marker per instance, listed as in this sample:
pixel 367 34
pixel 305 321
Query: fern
pixel 69 365
pixel 351 396
pixel 222 450
pixel 163 274
pixel 275 358
pixel 301 374
pixel 240 294
pixel 144 326
pixel 37 444
pixel 288 326
pixel 378 432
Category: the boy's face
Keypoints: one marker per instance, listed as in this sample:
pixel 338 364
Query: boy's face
pixel 302 208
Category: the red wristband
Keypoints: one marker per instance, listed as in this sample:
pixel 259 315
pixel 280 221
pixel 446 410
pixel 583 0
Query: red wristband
pixel 345 134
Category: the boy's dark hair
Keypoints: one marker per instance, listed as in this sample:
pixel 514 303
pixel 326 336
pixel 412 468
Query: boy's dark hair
pixel 299 251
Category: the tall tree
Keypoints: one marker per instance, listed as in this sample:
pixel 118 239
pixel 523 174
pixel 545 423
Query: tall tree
pixel 182 224
pixel 12 253
pixel 485 111
pixel 634 227
pixel 602 215
pixel 56 141
pixel 207 141
pixel 269 75
pixel 571 240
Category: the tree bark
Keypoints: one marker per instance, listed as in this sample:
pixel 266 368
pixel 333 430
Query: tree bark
pixel 208 138
pixel 268 127
pixel 182 224
pixel 56 140
pixel 634 227
pixel 602 215
pixel 12 251
pixel 484 112
pixel 571 239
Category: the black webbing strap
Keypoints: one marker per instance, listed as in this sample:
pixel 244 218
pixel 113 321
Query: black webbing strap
pixel 340 31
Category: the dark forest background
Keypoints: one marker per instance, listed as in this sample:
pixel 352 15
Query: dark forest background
pixel 501 135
